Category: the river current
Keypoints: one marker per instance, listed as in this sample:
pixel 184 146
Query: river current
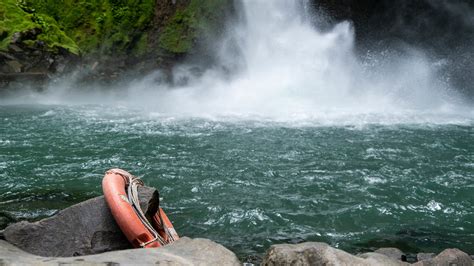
pixel 291 136
pixel 249 183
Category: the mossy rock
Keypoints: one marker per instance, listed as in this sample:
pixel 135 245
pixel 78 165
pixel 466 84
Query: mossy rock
pixel 100 26
pixel 12 20
pixel 18 18
pixel 53 36
pixel 110 27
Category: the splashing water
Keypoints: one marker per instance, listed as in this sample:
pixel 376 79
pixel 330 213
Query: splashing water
pixel 283 68
pixel 290 70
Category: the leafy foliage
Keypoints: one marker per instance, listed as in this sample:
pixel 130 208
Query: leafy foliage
pixel 99 26
pixel 107 26
pixel 13 19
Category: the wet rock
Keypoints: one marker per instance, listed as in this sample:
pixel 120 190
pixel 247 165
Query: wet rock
pixel 252 260
pixel 6 56
pixel 452 256
pixel 15 48
pixel 93 67
pixel 24 77
pixel 425 256
pixel 59 64
pixel 30 34
pixel 393 253
pixel 16 37
pixel 315 253
pixel 82 229
pixel 373 258
pixel 15 66
pixel 185 251
pixel 410 258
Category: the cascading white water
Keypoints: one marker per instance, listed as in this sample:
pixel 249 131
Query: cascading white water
pixel 289 70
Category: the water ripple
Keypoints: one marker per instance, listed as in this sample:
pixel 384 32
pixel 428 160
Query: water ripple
pixel 249 184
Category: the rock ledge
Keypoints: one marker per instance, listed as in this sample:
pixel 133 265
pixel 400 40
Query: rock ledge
pixel 185 251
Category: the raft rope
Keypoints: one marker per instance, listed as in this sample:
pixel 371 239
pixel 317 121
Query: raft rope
pixel 133 183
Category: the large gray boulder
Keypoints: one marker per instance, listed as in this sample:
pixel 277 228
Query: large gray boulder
pixel 82 229
pixel 316 253
pixel 185 251
pixel 448 257
pixel 393 253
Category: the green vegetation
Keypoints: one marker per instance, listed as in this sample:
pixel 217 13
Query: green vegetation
pixel 197 19
pixel 107 27
pixel 99 26
pixel 89 26
pixel 13 19
pixel 52 35
pixel 179 33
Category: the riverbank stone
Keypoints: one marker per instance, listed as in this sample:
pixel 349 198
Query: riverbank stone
pixel 82 229
pixel 448 257
pixel 316 253
pixel 185 251
pixel 393 253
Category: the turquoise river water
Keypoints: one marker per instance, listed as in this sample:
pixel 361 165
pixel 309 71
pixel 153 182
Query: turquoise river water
pixel 250 183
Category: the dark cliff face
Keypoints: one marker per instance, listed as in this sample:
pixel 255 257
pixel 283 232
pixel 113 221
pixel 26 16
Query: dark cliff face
pixel 443 29
pixel 437 23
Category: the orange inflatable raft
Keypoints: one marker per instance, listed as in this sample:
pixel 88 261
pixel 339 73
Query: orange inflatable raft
pixel 120 191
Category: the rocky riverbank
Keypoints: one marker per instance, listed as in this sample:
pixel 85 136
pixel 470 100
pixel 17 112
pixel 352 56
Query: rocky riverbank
pixel 86 234
pixel 200 251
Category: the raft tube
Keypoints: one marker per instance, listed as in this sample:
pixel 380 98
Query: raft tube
pixel 114 186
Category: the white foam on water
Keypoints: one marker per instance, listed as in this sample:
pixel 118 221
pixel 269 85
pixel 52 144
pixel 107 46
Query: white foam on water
pixel 5 142
pixel 434 206
pixel 49 113
pixel 374 180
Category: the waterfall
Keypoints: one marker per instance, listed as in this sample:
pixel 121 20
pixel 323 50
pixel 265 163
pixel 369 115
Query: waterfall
pixel 285 68
pixel 274 63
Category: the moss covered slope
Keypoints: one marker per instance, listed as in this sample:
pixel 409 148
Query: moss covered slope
pixel 99 26
pixel 103 30
pixel 20 24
